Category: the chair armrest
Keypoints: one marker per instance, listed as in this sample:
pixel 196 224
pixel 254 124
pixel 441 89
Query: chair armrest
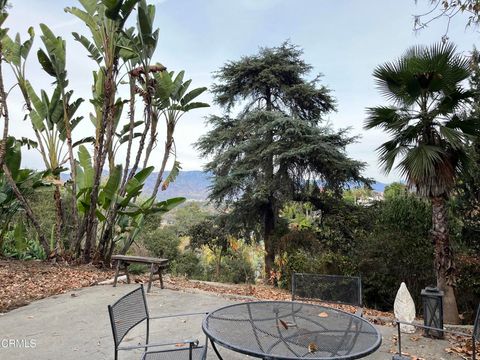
pixel 177 315
pixel 140 346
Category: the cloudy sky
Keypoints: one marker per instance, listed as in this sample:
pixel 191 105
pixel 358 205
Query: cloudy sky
pixel 343 39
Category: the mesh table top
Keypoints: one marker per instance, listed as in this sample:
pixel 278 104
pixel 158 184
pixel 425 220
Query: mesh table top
pixel 291 330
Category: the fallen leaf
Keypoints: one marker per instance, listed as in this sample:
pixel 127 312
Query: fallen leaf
pixel 312 347
pixel 323 314
pixel 284 324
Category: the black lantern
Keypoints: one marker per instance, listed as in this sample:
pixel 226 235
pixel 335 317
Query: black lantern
pixel 432 300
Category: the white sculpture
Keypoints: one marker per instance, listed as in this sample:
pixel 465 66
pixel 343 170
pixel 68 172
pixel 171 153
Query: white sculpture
pixel 404 309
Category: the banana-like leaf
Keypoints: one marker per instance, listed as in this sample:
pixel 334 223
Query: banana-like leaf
pixel 91 48
pixel 37 103
pixel 13 156
pixel 126 128
pixel 90 20
pixel 192 95
pixel 195 105
pixel 11 51
pixel 29 143
pixel 45 62
pixel 182 90
pixel 124 139
pixel 109 191
pixel 138 179
pixel 85 140
pixel 27 45
pixel 89 5
pixel 86 163
pixel 172 175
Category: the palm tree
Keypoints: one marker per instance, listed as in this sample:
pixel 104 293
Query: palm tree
pixel 428 134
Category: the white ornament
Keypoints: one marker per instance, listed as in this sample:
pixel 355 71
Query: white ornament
pixel 404 309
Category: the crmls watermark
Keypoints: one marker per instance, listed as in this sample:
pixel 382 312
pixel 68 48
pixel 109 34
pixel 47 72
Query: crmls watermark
pixel 18 343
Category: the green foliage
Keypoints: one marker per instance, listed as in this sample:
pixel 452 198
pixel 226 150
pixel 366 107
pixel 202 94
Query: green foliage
pixel 428 131
pixel 306 261
pixel 261 157
pixel 138 269
pixel 162 242
pixel 19 245
pixel 398 249
pixel 187 264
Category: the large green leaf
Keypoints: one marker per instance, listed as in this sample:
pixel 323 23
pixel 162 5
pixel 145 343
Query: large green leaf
pixel 13 156
pixel 110 189
pixel 192 95
pixel 86 164
pixel 45 62
pixel 11 50
pixel 91 48
pixel 37 103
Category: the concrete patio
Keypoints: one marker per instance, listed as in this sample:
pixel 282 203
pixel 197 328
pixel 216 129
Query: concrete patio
pixel 76 326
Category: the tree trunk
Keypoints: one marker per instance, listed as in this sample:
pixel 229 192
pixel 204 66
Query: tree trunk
pixel 269 226
pixel 27 208
pixel 444 264
pixel 101 148
pixel 58 220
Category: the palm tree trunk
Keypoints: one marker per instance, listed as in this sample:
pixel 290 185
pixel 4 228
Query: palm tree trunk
pixel 444 264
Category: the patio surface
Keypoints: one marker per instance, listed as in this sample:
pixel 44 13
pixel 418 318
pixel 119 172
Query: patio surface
pixel 76 326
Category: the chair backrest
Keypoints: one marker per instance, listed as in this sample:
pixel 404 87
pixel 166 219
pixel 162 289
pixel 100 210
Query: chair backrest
pixel 328 288
pixel 476 325
pixel 130 310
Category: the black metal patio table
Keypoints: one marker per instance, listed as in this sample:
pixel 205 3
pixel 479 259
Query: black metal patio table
pixel 281 330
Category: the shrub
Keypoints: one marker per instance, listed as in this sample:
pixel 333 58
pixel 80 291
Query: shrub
pixel 399 249
pixel 328 263
pixel 187 264
pixel 162 242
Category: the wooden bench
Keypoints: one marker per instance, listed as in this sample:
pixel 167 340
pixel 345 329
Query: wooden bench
pixel 156 267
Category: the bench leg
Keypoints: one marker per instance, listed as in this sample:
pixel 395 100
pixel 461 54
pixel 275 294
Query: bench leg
pixel 160 276
pixel 116 273
pixel 126 273
pixel 152 270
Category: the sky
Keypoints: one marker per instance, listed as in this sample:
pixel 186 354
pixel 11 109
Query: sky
pixel 342 39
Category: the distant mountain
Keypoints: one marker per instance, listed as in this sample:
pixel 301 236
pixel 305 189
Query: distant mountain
pixel 193 185
pixel 190 184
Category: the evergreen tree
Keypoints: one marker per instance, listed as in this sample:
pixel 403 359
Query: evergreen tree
pixel 265 154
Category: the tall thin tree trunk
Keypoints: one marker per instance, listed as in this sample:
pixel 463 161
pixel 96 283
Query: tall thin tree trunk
pixel 27 208
pixel 153 138
pixel 101 149
pixel 58 219
pixel 73 170
pixel 166 155
pixel 444 264
pixel 269 227
pixel 6 170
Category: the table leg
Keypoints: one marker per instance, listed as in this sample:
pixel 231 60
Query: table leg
pixel 215 350
pixel 116 273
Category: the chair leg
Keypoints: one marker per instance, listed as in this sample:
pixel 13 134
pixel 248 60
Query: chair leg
pixel 116 273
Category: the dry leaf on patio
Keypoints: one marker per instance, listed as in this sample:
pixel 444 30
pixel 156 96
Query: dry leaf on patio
pixel 284 324
pixel 312 347
pixel 323 314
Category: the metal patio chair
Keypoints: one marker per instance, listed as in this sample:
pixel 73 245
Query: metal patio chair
pixel 475 336
pixel 336 289
pixel 131 310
